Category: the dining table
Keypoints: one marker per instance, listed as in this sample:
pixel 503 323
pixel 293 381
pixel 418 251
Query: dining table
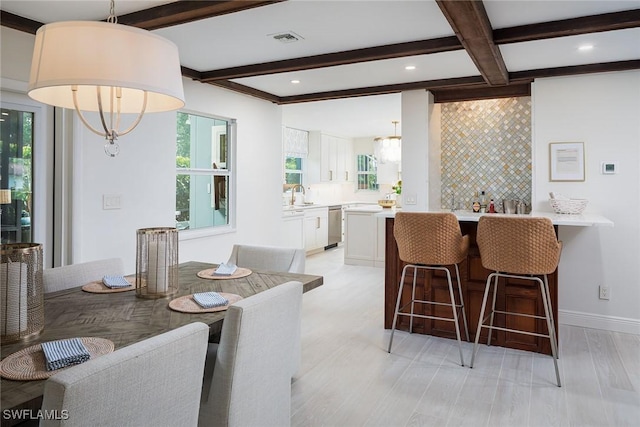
pixel 124 319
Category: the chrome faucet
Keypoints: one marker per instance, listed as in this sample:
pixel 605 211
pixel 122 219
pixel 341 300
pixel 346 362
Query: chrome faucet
pixel 293 191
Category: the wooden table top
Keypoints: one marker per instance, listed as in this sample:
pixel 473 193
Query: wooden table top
pixel 125 319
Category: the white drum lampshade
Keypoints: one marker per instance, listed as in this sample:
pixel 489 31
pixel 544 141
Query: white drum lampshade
pixel 106 67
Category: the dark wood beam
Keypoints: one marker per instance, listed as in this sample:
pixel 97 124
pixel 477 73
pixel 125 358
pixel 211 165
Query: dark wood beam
pixel 19 23
pixel 578 69
pixel 468 88
pixel 236 87
pixel 381 90
pixel 421 47
pixel 486 92
pixel 470 22
pixel 184 11
pixel 568 27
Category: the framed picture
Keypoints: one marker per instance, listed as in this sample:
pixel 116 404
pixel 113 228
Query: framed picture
pixel 566 161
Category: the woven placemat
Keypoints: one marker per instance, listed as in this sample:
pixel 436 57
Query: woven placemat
pixel 208 274
pixel 186 304
pixel 29 363
pixel 98 287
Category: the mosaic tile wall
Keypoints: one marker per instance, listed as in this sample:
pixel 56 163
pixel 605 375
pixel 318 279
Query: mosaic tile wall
pixel 486 145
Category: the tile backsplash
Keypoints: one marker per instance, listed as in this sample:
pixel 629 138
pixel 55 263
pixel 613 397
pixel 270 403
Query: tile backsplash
pixel 486 145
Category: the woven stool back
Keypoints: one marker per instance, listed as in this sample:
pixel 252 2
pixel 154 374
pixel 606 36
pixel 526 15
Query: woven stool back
pixel 429 238
pixel 518 245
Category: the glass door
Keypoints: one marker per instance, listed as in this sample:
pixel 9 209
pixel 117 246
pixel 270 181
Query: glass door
pixel 16 175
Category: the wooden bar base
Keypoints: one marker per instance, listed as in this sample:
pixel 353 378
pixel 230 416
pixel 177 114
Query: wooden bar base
pixel 521 296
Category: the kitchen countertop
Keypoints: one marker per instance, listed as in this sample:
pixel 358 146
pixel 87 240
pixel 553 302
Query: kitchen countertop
pixel 298 210
pixel 583 220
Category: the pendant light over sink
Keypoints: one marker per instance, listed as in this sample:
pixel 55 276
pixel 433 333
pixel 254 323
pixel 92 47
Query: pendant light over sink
pixel 388 149
pixel 107 68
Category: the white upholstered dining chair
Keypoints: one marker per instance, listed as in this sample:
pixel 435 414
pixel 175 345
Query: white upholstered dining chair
pixel 71 276
pixel 248 375
pixel 268 258
pixel 155 382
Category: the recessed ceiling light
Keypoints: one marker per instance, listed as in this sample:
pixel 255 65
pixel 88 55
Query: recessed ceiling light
pixel 410 67
pixel 295 82
pixel 585 47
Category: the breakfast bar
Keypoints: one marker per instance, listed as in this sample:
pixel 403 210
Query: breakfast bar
pixel 518 295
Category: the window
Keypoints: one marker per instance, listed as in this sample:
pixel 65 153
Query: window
pixel 367 172
pixel 204 171
pixel 295 145
pixel 293 170
pixel 16 174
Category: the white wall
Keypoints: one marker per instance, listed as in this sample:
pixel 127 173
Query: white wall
pixel 603 111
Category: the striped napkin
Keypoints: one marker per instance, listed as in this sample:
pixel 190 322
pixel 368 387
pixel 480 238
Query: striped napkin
pixel 210 299
pixel 63 353
pixel 225 269
pixel 115 282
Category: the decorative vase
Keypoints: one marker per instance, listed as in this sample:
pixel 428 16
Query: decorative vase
pixel 156 262
pixel 21 292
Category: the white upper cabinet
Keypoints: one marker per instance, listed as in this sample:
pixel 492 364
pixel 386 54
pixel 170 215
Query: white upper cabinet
pixel 330 158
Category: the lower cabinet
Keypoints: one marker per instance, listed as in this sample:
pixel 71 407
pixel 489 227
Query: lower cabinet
pixel 364 238
pixel 316 229
pixel 293 231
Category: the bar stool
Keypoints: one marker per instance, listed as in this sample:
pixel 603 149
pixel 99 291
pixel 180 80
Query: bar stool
pixel 430 241
pixel 522 248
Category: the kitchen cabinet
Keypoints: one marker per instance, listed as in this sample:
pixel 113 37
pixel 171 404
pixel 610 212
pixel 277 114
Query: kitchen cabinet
pixel 293 229
pixel 364 237
pixel 330 159
pixel 316 229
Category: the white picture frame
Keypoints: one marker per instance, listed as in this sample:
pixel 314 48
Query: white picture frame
pixel 566 161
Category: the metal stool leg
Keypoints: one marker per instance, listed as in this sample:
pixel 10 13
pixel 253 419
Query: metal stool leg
pixel 553 326
pixel 395 315
pixel 464 314
pixel 413 298
pixel 455 314
pixel 552 337
pixel 484 306
pixel 493 308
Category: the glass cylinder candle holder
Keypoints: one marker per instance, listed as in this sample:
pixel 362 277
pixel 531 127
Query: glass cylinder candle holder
pixel 157 262
pixel 21 292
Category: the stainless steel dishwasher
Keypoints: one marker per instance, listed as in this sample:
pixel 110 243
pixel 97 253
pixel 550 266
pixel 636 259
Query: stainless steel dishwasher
pixel 335 226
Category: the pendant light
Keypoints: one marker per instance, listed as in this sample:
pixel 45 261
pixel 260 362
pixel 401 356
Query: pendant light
pixel 388 149
pixel 107 68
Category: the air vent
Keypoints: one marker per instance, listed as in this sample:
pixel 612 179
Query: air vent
pixel 286 37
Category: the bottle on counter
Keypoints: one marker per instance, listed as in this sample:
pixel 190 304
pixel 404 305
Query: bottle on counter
pixel 475 206
pixel 492 207
pixel 483 202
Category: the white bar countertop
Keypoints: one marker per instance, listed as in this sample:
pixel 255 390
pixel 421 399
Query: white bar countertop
pixel 582 220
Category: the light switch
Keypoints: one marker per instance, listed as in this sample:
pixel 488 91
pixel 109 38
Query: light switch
pixel 111 201
pixel 410 199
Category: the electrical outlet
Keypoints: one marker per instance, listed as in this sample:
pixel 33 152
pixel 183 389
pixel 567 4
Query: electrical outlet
pixel 604 292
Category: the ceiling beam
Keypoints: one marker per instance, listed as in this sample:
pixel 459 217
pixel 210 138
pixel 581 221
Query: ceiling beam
pixel 381 90
pixel 568 27
pixel 468 87
pixel 19 23
pixel 237 87
pixel 487 92
pixel 470 22
pixel 398 50
pixel 578 69
pixel 184 11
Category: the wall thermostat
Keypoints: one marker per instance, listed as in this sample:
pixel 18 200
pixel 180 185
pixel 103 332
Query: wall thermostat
pixel 609 168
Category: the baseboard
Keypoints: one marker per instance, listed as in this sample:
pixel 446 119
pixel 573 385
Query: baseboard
pixel 598 321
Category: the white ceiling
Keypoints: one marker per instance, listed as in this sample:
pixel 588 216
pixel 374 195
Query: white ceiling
pixel 327 26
